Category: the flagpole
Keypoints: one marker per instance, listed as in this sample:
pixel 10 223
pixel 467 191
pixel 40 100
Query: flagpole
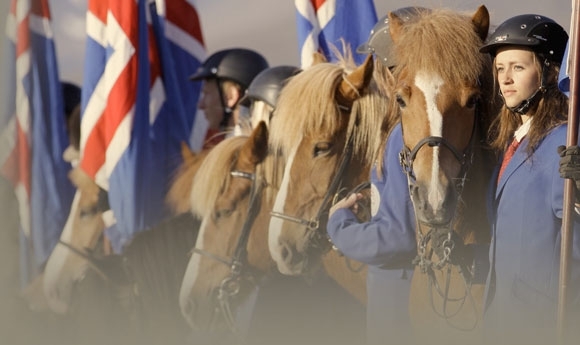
pixel 569 191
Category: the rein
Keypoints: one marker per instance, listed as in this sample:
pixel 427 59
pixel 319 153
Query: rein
pixel 230 285
pixel 444 241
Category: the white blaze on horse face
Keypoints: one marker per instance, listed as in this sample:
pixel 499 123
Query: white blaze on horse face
pixel 275 229
pixel 192 270
pixel 56 285
pixel 430 84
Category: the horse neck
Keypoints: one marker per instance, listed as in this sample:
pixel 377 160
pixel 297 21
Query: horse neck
pixel 473 225
pixel 349 274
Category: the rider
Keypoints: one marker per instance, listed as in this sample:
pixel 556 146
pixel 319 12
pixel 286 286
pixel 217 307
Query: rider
pixel 526 200
pixel 226 75
pixel 387 241
pixel 262 94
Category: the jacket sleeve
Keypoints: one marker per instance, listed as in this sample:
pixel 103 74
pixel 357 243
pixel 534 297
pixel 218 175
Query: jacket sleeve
pixel 388 239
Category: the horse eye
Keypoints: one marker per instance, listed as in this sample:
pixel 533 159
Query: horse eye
pixel 321 149
pixel 222 213
pixel 400 101
pixel 472 101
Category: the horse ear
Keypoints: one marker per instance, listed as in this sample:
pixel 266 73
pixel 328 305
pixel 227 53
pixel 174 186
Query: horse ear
pixel 480 21
pixel 186 153
pixel 353 84
pixel 317 58
pixel 396 26
pixel 256 148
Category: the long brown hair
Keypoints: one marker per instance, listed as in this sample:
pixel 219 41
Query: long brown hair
pixel 549 112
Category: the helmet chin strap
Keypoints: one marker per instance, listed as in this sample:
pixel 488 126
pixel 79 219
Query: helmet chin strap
pixel 525 105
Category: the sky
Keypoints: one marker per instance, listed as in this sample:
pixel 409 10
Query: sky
pixel 267 26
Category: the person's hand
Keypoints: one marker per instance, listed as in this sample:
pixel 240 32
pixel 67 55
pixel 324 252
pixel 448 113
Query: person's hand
pixel 570 165
pixel 348 202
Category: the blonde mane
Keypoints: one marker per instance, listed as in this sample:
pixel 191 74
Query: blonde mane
pixel 213 174
pixel 307 105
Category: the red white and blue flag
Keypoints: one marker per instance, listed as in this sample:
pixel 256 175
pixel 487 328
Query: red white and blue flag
pixel 138 104
pixel 33 133
pixel 322 23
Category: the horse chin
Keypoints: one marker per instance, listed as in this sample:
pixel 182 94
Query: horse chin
pixel 294 269
pixel 201 315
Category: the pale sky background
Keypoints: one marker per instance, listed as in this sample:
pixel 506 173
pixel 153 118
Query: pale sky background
pixel 267 26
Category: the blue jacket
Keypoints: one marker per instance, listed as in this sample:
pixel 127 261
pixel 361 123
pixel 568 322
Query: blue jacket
pixel 386 243
pixel 526 211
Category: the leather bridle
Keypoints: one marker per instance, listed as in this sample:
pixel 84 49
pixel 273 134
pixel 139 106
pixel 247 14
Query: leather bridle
pixel 229 287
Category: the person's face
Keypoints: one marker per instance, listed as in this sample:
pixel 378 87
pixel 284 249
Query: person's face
pixel 518 74
pixel 211 104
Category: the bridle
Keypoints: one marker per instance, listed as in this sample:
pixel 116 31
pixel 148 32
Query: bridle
pixel 229 287
pixel 318 239
pixel 445 242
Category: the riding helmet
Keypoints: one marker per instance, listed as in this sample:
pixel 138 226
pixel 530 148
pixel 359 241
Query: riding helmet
pixel 541 34
pixel 380 42
pixel 267 85
pixel 238 64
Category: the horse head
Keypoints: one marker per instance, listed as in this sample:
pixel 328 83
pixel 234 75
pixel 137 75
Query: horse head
pixel 440 93
pixel 230 253
pixel 328 126
pixel 70 258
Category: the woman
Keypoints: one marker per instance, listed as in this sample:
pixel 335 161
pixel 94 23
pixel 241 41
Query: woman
pixel 527 194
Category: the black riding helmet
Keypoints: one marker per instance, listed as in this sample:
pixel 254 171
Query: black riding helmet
pixel 380 43
pixel 267 85
pixel 238 64
pixel 540 34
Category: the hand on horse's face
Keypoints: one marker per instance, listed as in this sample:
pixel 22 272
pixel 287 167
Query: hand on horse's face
pixel 570 165
pixel 348 202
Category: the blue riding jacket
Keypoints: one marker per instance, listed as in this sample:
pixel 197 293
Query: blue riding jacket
pixel 526 217
pixel 386 243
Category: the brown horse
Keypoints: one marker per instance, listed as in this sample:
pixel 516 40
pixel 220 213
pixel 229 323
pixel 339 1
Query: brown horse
pixel 138 289
pixel 332 124
pixel 239 181
pixel 444 93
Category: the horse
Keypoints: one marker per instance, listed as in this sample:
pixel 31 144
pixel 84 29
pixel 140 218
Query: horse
pixel 445 99
pixel 336 125
pixel 143 282
pixel 238 181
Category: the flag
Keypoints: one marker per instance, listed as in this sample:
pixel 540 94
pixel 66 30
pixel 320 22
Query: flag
pixel 137 104
pixel 322 23
pixel 33 132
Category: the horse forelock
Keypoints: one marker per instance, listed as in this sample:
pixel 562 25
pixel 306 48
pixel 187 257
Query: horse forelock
pixel 442 35
pixel 213 174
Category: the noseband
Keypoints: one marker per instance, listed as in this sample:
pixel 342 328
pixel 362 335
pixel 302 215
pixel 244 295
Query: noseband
pixel 230 286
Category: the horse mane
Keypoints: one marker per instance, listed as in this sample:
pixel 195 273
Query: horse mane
pixel 447 35
pixel 308 98
pixel 178 196
pixel 213 174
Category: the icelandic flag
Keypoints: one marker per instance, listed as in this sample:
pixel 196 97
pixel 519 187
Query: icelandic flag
pixel 33 133
pixel 137 105
pixel 323 23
